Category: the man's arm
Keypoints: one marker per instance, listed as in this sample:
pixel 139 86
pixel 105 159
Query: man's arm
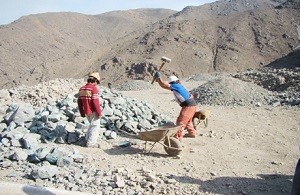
pixel 96 101
pixel 163 83
pixel 80 107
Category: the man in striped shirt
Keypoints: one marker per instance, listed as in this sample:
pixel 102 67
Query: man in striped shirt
pixel 89 107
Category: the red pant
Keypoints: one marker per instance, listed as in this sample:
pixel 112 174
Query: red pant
pixel 185 121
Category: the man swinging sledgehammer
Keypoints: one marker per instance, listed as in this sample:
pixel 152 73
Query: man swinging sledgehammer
pixel 185 100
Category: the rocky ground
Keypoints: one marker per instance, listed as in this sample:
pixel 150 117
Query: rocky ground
pixel 249 147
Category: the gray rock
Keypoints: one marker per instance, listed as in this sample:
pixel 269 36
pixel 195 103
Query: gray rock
pixel 12 125
pixel 19 155
pixel 70 127
pixel 21 113
pixel 30 141
pixel 15 143
pixel 120 183
pixel 54 117
pixel 17 133
pixel 64 161
pixel 44 172
pixel 41 153
pixel 52 158
pixel 117 113
pixel 78 158
pixel 145 124
pixel 5 163
pixel 4 95
pixel 72 137
pixel 3 127
pixel 107 111
pixel 5 142
pixel 55 154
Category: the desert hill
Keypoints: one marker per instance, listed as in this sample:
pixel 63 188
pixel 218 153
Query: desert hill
pixel 233 42
pixel 224 36
pixel 224 8
pixel 46 46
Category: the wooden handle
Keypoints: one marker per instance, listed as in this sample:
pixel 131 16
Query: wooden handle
pixel 161 66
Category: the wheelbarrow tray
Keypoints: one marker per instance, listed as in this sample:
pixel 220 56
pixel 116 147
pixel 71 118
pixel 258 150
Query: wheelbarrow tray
pixel 163 135
pixel 158 134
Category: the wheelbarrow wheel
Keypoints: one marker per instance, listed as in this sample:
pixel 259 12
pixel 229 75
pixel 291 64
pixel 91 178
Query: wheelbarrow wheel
pixel 174 143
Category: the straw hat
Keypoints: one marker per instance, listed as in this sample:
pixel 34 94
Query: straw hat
pixel 96 75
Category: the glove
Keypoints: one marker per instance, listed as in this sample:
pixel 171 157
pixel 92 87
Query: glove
pixel 157 74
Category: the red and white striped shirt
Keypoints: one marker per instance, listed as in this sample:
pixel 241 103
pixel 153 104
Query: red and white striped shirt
pixel 88 100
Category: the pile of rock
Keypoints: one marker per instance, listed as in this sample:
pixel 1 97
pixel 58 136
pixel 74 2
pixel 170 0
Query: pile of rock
pixel 265 86
pixel 227 91
pixel 42 94
pixel 285 83
pixel 81 175
pixel 61 122
pixel 65 168
pixel 200 77
pixel 135 85
pixel 26 128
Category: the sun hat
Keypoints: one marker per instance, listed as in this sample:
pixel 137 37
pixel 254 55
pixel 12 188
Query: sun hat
pixel 173 78
pixel 96 75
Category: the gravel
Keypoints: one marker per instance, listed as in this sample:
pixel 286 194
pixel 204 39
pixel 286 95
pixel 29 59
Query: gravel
pixel 135 85
pixel 227 91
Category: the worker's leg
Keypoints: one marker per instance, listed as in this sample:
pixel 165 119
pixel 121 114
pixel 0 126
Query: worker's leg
pixel 90 119
pixel 190 127
pixel 185 116
pixel 180 121
pixel 93 131
pixel 191 130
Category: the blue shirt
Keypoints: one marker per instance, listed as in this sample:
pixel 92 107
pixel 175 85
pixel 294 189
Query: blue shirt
pixel 180 93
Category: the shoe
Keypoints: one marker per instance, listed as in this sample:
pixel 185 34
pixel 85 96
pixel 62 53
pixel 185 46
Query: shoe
pixel 89 145
pixel 189 135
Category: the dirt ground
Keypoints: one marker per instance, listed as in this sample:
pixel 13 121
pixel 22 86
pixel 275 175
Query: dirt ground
pixel 244 150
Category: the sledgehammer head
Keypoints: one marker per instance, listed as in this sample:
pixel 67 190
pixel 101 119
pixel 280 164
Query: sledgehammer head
pixel 165 59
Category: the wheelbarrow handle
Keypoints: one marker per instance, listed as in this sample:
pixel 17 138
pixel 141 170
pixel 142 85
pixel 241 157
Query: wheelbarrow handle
pixel 134 136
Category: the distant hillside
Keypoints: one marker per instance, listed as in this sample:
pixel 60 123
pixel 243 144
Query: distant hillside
pixel 237 41
pixel 222 36
pixel 46 46
pixel 224 8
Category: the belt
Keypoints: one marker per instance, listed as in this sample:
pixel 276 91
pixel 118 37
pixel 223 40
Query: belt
pixel 188 102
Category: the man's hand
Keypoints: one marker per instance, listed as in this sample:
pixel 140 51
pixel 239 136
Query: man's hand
pixel 157 74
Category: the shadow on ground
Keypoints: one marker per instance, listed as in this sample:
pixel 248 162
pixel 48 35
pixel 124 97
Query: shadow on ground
pixel 290 61
pixel 272 184
pixel 117 150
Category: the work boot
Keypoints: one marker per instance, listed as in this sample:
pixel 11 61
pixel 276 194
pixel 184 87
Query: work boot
pixel 189 135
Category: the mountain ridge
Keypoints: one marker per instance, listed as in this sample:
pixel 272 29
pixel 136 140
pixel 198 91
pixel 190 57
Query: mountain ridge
pixel 125 45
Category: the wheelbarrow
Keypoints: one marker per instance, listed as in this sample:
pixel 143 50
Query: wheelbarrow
pixel 163 135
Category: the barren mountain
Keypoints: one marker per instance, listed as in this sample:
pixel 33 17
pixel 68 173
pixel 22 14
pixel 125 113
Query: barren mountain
pixel 222 36
pixel 46 46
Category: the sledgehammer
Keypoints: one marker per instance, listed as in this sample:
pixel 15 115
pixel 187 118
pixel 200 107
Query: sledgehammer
pixel 164 60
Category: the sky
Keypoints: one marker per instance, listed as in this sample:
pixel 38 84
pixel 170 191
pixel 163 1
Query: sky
pixel 11 10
